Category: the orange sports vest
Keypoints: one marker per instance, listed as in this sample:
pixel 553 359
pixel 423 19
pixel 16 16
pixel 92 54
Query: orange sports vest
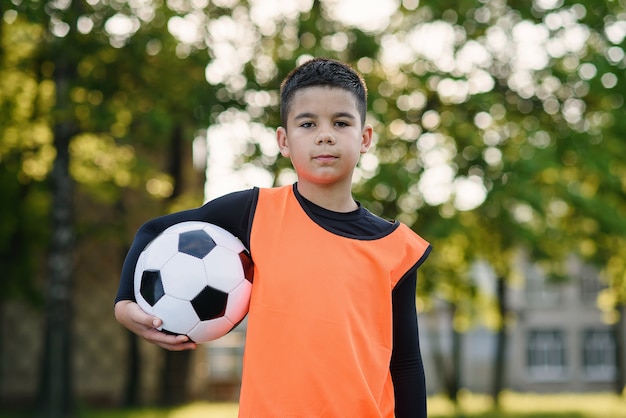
pixel 319 336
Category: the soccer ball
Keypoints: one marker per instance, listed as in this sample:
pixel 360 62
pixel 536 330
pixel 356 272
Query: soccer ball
pixel 197 278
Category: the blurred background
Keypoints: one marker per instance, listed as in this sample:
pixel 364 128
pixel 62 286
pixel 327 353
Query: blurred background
pixel 500 137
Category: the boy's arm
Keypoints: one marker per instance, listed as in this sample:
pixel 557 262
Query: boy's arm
pixel 407 370
pixel 231 212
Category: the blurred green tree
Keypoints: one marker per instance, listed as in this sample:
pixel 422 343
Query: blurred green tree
pixel 86 107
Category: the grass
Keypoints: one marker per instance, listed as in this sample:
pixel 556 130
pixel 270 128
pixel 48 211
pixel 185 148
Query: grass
pixel 530 405
pixel 513 405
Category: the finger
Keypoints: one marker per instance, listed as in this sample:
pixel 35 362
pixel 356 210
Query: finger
pixel 159 337
pixel 142 317
pixel 178 347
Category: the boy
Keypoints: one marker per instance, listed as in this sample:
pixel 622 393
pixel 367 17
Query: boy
pixel 332 325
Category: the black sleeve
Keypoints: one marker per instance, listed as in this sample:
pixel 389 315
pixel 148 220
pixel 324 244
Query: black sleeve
pixel 407 370
pixel 231 212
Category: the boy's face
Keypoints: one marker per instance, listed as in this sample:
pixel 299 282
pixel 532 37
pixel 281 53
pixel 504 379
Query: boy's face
pixel 324 137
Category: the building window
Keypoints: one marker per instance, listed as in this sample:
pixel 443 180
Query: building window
pixel 546 355
pixel 590 286
pixel 225 357
pixel 540 293
pixel 599 354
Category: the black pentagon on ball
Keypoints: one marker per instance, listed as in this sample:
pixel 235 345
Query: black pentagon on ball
pixel 195 243
pixel 210 303
pixel 151 287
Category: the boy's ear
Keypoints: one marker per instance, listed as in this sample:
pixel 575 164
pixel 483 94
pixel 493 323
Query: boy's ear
pixel 366 138
pixel 281 139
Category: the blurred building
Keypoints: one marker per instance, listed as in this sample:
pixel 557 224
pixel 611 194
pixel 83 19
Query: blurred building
pixel 558 340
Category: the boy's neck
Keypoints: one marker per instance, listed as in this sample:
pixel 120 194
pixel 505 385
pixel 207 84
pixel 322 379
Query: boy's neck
pixel 331 197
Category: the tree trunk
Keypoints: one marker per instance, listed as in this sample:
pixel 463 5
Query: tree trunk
pixel 175 374
pixel 620 351
pixel 450 368
pixel 499 363
pixel 457 363
pixel 56 392
pixel 130 396
pixel 440 363
pixel 175 378
pixel 132 381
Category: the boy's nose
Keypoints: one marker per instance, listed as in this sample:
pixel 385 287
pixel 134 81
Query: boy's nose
pixel 325 138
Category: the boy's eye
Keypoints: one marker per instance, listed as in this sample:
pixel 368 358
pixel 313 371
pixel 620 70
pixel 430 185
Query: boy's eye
pixel 306 124
pixel 342 123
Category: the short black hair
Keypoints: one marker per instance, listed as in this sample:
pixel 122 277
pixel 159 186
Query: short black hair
pixel 323 72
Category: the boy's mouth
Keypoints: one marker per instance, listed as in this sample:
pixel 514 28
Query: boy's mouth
pixel 324 158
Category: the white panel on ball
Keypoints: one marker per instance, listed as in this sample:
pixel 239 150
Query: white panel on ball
pixel 236 311
pixel 183 276
pixel 177 315
pixel 211 330
pixel 221 266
